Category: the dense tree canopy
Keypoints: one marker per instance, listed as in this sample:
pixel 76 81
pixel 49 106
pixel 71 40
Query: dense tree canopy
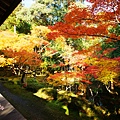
pixel 98 26
pixel 87 36
pixel 43 12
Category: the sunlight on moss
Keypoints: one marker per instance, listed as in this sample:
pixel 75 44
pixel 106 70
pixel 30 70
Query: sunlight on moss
pixel 66 109
pixel 62 94
pixel 103 111
pixel 89 112
pixel 13 79
pixel 45 93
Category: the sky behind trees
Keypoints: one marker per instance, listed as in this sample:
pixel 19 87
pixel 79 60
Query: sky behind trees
pixel 27 3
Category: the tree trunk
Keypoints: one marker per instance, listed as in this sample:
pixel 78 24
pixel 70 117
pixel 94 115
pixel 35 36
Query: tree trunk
pixel 23 80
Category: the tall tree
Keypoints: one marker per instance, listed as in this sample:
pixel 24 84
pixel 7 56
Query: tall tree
pixel 88 24
pixel 45 12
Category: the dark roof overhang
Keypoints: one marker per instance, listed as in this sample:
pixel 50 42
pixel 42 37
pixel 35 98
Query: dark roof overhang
pixel 6 8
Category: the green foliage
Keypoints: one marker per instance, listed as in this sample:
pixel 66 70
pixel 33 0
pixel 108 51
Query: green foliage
pixel 116 44
pixel 77 44
pixel 9 23
pixel 23 27
pixel 33 85
pixel 115 30
pixel 114 53
pixel 43 12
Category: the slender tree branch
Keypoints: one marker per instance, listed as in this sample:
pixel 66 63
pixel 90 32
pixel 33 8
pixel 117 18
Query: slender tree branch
pixel 92 35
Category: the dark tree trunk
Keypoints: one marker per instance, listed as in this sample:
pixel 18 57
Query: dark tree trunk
pixel 23 80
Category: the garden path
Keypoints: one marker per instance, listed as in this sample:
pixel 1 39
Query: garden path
pixel 7 111
pixel 31 109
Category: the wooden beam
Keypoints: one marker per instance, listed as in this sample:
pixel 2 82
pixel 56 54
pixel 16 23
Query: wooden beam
pixel 1 13
pixel 5 2
pixel 9 9
pixel 2 8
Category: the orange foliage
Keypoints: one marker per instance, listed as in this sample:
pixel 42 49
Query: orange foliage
pixel 23 57
pixel 88 21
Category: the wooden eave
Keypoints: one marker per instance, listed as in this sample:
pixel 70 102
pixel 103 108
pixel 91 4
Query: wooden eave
pixel 6 8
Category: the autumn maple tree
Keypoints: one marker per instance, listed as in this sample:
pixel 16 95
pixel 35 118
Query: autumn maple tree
pixel 18 54
pixel 96 23
pixel 21 48
pixel 92 35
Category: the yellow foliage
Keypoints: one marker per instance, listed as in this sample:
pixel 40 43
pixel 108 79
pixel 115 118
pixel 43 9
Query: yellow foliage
pixel 40 31
pixel 13 41
pixel 107 68
pixel 90 41
pixel 106 75
pixel 6 61
pixel 44 93
pixel 2 61
pixel 66 109
pixel 102 110
pixel 21 42
pixel 60 42
pixel 7 39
